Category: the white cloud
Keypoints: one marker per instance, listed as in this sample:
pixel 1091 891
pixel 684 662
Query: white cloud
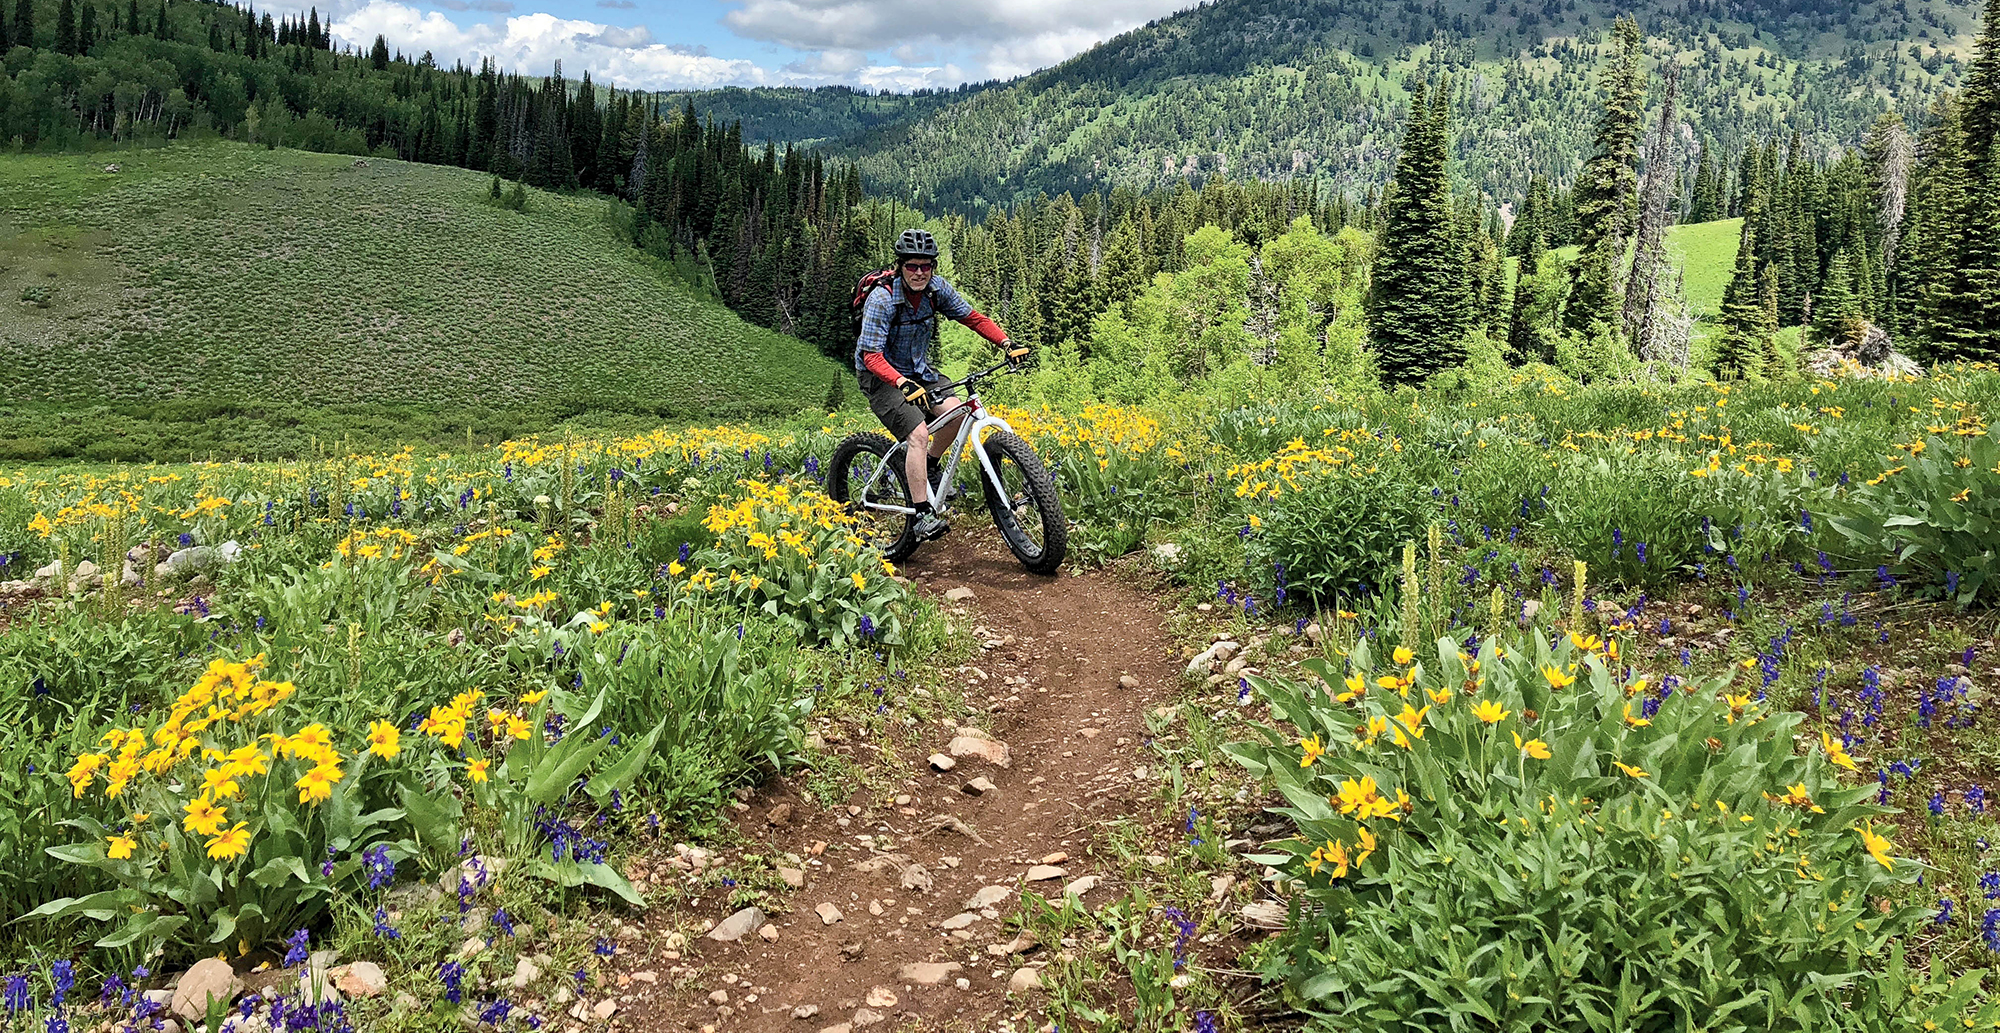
pixel 839 41
pixel 1008 37
pixel 532 43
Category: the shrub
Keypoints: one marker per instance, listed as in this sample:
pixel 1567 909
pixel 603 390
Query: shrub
pixel 1527 839
pixel 305 810
pixel 1936 517
pixel 1332 518
pixel 787 549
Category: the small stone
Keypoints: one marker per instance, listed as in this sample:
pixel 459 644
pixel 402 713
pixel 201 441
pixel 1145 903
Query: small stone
pixel 987 897
pixel 927 973
pixel 361 979
pixel 845 1027
pixel 828 914
pixel 648 977
pixel 719 997
pixel 959 595
pixel 739 925
pixel 472 947
pixel 769 933
pixel 979 786
pixel 1126 681
pixel 1022 943
pixel 940 762
pixel 793 877
pixel 805 1011
pixel 208 977
pixel 867 1017
pixel 780 816
pixel 991 751
pixel 853 951
pixel 605 1009
pixel 1090 733
pixel 1045 872
pixel 915 877
pixel 525 974
pixel 881 997
pixel 1056 858
pixel 1024 980
pixel 959 921
pixel 875 908
pixel 1264 914
pixel 1081 886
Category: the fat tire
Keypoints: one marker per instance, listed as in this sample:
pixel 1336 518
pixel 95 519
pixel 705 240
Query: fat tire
pixel 1041 491
pixel 838 488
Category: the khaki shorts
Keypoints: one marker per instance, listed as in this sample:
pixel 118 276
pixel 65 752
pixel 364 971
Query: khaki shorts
pixel 898 415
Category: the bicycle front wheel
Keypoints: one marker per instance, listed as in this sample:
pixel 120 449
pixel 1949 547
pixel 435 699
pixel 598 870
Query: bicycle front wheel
pixel 853 466
pixel 1024 504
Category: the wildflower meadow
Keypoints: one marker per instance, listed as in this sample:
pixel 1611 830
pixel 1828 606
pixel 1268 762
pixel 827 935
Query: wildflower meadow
pixel 1601 706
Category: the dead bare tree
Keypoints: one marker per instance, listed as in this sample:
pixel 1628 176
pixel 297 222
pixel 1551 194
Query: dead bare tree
pixel 1890 154
pixel 1649 257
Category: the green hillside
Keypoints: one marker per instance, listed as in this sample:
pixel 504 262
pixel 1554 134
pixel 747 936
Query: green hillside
pixel 227 272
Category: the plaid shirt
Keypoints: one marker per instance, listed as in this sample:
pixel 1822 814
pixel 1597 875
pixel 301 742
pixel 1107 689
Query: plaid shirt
pixel 906 343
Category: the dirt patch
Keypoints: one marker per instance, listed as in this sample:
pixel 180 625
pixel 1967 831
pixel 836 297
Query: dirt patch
pixel 906 880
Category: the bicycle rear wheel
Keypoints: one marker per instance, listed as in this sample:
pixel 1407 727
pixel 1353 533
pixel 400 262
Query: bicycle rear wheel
pixel 852 467
pixel 1024 504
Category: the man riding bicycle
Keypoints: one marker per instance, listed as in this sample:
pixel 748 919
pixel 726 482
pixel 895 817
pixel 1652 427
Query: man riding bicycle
pixel 891 362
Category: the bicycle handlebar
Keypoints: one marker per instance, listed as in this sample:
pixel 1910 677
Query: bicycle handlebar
pixel 970 377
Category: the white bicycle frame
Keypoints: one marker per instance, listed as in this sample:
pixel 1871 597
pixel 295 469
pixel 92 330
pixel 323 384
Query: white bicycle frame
pixel 973 418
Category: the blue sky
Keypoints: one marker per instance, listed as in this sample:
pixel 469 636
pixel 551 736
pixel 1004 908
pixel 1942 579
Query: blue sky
pixel 684 44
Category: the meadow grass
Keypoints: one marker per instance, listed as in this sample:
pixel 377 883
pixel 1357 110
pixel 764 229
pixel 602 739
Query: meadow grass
pixel 222 271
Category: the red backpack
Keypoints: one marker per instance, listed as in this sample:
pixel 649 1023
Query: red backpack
pixel 886 279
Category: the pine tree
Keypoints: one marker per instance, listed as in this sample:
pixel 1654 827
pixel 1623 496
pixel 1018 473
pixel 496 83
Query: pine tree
pixel 1837 312
pixel 312 31
pixel 1607 189
pixel 6 43
pixel 1744 347
pixel 378 55
pixel 1926 276
pixel 86 30
pixel 24 23
pixel 1982 93
pixel 66 28
pixel 1417 311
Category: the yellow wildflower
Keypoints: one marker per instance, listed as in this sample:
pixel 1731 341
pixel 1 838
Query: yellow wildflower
pixel 1489 711
pixel 384 739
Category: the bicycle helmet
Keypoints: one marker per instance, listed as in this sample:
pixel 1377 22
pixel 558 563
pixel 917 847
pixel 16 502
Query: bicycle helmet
pixel 916 244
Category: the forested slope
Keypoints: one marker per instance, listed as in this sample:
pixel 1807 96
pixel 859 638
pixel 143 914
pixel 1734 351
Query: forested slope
pixel 1278 89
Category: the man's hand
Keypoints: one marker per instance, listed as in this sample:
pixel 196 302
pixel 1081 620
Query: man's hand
pixel 1017 355
pixel 914 393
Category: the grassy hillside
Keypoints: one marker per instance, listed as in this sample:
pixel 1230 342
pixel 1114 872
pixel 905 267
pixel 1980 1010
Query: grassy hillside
pixel 225 272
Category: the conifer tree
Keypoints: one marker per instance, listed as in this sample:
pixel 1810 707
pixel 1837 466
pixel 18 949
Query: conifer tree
pixel 66 28
pixel 24 23
pixel 1417 310
pixel 1982 93
pixel 6 43
pixel 1608 188
pixel 378 55
pixel 86 29
pixel 1745 343
pixel 1837 312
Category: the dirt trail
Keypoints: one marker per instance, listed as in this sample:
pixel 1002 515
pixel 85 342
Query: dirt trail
pixel 901 877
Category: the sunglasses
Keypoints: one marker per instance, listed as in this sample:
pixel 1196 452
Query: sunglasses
pixel 920 267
